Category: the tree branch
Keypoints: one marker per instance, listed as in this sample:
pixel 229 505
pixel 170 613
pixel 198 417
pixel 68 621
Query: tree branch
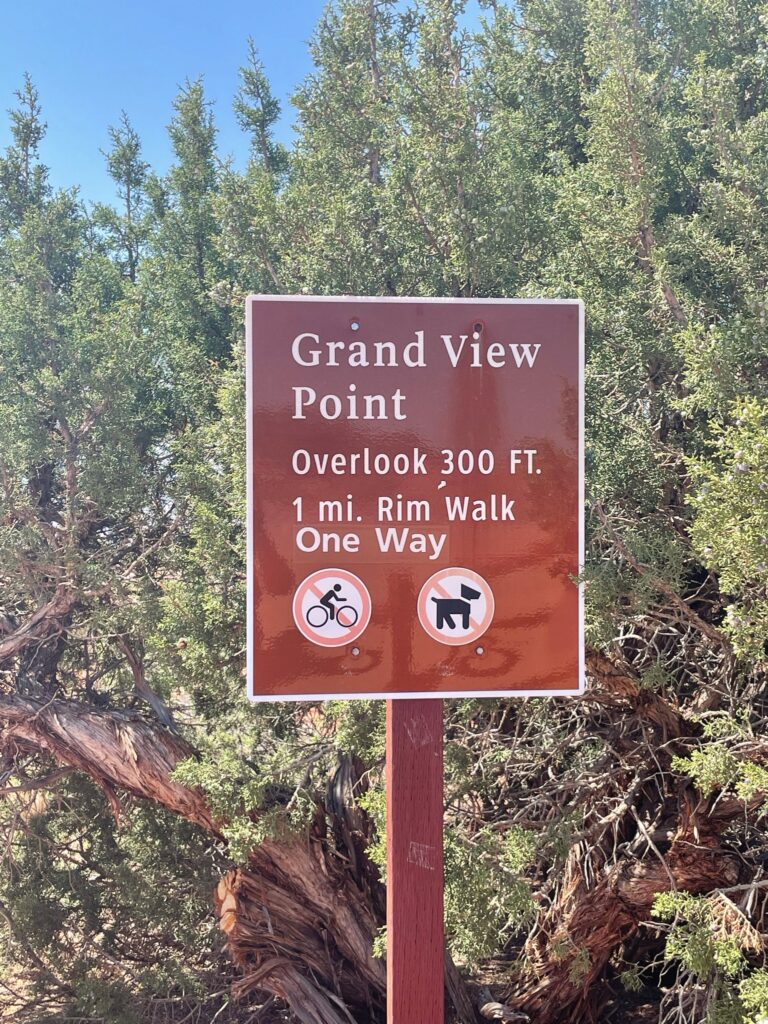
pixel 117 749
pixel 46 622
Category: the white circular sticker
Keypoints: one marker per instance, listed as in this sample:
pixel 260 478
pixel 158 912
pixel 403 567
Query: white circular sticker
pixel 456 606
pixel 332 607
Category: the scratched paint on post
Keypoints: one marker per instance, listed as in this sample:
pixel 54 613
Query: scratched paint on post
pixel 422 855
pixel 415 474
pixel 418 730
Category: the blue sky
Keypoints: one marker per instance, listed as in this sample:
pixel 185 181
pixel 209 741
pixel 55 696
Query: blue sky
pixel 90 59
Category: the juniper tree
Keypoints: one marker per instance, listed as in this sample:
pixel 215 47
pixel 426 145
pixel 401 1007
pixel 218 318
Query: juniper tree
pixel 251 239
pixel 334 200
pixel 126 229
pixel 614 151
pixel 84 512
pixel 23 179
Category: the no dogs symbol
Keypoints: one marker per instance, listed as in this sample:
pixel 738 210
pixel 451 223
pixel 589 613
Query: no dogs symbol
pixel 456 606
pixel 332 607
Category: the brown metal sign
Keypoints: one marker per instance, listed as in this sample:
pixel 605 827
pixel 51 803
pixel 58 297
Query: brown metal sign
pixel 415 497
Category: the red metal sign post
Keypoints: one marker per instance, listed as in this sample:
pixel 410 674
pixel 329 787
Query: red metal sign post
pixel 415 933
pixel 415 496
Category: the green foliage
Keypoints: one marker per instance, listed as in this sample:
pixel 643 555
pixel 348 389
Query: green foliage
pixel 474 871
pixel 127 229
pixel 380 944
pixel 579 967
pixel 259 782
pixel 754 780
pixel 631 979
pixel 122 912
pixel 731 528
pixel 713 942
pixel 693 939
pixel 359 727
pixel 487 870
pixel 23 179
pixel 753 992
pixel 712 767
pixel 615 151
pixel 257 111
pixel 374 803
pixel 95 998
pixel 520 849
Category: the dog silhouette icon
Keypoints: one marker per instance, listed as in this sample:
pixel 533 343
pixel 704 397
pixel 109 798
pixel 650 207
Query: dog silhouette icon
pixel 447 607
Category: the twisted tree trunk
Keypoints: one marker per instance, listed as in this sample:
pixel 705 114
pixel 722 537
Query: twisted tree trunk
pixel 577 937
pixel 569 951
pixel 300 919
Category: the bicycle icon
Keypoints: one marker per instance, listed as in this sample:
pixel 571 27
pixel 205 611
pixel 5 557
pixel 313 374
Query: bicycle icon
pixel 318 616
pixel 332 607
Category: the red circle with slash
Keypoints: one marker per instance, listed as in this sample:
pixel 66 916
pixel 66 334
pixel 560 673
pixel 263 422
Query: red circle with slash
pixel 456 606
pixel 332 607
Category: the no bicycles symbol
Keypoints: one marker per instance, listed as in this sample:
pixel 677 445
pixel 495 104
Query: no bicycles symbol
pixel 456 606
pixel 332 607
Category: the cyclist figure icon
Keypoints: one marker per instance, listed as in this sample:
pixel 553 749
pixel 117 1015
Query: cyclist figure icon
pixel 318 615
pixel 331 607
pixel 330 597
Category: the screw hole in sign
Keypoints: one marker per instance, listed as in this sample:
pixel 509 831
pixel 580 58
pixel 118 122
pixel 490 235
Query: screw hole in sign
pixel 478 328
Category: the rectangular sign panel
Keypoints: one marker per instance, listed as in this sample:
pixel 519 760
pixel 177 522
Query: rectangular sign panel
pixel 415 475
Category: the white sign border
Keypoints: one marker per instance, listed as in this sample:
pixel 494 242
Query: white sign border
pixel 250 484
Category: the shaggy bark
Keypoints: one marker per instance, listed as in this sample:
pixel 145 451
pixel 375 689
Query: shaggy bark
pixel 569 951
pixel 279 933
pixel 578 935
pixel 301 919
pixel 296 919
pixel 117 749
pixel 49 621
